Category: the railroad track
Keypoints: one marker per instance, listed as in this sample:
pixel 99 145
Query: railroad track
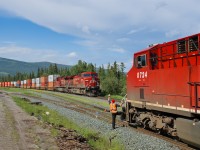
pixel 91 111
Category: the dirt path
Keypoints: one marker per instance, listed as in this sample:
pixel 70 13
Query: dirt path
pixel 19 131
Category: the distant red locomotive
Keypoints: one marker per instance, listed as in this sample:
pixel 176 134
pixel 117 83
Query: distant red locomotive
pixel 163 89
pixel 86 83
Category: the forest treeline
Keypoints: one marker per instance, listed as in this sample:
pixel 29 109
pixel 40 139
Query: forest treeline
pixel 112 78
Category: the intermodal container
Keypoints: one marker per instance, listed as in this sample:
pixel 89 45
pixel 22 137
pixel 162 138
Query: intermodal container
pixel 28 83
pixel 25 84
pixel 51 81
pixel 38 83
pixel 12 84
pixel 22 84
pixel 6 84
pixel 0 84
pixel 18 85
pixel 9 84
pixel 44 81
pixel 33 86
pixel 15 84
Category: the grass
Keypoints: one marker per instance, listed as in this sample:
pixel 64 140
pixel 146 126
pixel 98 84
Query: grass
pixel 96 141
pixel 28 92
pixel 73 98
pixel 68 97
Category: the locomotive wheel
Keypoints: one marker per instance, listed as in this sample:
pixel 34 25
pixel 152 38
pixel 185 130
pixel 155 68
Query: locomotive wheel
pixel 145 123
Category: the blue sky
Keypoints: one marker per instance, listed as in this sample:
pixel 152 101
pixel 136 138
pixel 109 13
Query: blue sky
pixel 97 31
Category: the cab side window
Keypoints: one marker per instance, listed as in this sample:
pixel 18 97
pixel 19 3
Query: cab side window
pixel 141 61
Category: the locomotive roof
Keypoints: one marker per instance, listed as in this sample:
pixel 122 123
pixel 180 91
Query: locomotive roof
pixel 147 49
pixel 165 43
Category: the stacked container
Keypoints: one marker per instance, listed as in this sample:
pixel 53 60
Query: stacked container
pixel 51 81
pixel 33 85
pixel 44 81
pixel 37 83
pixel 22 84
pixel 12 84
pixel 25 84
pixel 15 84
pixel 18 85
pixel 28 83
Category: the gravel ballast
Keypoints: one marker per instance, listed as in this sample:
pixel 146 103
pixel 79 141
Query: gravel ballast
pixel 132 140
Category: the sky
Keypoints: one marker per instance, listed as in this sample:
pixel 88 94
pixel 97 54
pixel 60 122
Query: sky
pixel 94 31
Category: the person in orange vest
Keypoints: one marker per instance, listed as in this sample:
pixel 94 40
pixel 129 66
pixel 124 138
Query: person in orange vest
pixel 114 112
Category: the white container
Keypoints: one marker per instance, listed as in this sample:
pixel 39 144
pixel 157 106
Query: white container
pixel 52 78
pixel 15 83
pixel 37 82
pixel 33 81
pixel 24 81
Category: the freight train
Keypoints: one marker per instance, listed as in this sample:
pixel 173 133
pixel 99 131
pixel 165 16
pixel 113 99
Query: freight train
pixel 163 89
pixel 86 83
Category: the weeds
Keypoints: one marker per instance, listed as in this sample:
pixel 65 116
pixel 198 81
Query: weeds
pixel 95 140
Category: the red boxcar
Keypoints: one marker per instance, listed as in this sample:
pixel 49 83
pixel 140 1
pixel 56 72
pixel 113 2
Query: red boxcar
pixel 165 79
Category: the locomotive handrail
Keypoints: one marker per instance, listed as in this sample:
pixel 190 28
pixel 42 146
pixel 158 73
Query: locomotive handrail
pixel 173 55
pixel 195 84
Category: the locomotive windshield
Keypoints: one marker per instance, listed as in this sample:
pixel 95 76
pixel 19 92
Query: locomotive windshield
pixel 90 75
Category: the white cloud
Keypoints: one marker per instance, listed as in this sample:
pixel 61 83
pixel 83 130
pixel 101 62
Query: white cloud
pixel 123 39
pixel 70 16
pixel 136 30
pixel 12 49
pixel 86 29
pixel 172 33
pixel 119 50
pixel 100 24
pixel 36 55
pixel 72 55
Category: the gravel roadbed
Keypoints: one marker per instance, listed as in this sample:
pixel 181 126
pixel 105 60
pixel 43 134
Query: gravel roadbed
pixel 132 140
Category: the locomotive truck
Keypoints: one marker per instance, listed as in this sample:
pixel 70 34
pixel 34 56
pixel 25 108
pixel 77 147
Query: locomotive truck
pixel 163 89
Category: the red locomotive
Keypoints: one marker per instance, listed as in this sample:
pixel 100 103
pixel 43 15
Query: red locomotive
pixel 163 88
pixel 86 83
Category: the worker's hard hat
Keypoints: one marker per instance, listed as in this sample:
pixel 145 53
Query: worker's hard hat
pixel 108 94
pixel 113 100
